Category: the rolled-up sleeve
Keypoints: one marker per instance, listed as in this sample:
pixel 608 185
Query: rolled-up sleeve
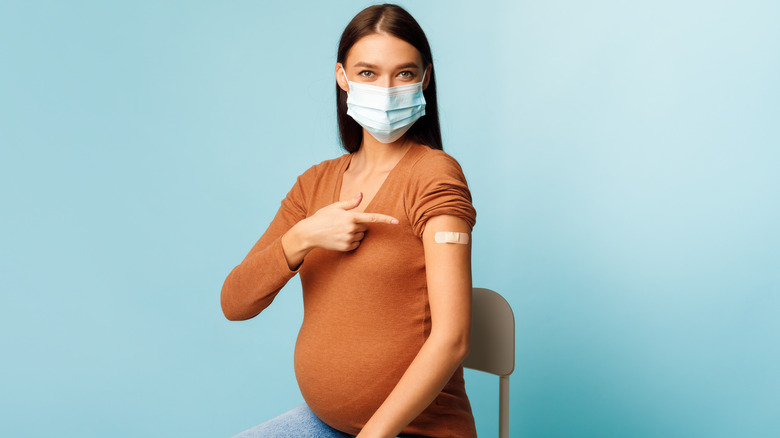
pixel 438 188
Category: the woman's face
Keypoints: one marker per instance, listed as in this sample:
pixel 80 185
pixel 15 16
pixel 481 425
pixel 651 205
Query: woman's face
pixel 382 60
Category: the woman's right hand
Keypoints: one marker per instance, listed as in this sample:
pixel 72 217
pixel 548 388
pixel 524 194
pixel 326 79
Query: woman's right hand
pixel 333 227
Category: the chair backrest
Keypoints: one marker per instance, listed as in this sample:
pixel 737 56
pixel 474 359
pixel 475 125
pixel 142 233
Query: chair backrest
pixel 492 334
pixel 492 346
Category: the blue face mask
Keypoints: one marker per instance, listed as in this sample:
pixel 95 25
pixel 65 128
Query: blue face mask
pixel 386 113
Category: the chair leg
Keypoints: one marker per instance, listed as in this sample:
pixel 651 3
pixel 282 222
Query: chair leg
pixel 503 406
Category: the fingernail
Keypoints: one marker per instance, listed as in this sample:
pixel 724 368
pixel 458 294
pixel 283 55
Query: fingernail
pixel 394 221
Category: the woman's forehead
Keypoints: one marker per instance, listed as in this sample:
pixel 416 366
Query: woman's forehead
pixel 383 51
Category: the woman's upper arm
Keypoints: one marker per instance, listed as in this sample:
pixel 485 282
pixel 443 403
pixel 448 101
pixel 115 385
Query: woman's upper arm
pixel 252 285
pixel 448 273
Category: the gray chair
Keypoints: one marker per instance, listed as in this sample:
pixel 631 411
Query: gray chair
pixel 493 345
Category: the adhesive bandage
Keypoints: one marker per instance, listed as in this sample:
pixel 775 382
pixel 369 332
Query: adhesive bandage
pixel 451 237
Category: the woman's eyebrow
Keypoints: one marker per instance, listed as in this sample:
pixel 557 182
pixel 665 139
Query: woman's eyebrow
pixel 402 66
pixel 365 64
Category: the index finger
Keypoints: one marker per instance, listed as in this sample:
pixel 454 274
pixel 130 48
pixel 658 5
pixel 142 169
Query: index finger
pixel 374 218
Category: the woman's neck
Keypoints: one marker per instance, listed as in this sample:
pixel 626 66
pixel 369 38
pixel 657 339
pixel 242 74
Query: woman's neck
pixel 374 156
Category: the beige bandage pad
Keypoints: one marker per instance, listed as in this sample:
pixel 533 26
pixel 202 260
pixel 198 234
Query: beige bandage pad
pixel 451 237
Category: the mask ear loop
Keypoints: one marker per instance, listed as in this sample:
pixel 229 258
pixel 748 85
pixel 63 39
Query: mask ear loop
pixel 343 70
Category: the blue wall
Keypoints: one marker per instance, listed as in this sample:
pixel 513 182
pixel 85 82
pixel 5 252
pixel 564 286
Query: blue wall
pixel 623 157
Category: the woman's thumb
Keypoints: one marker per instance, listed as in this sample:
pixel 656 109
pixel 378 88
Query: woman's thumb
pixel 351 203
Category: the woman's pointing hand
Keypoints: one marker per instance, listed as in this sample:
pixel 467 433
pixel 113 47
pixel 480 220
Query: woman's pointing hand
pixel 334 227
pixel 337 228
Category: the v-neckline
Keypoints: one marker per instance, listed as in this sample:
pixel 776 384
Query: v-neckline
pixel 345 164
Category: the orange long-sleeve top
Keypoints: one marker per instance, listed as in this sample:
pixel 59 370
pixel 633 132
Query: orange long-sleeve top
pixel 366 312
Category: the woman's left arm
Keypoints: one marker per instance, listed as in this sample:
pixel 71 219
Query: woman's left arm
pixel 448 273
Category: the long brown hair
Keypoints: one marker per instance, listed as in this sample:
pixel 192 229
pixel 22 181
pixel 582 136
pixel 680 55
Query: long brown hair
pixel 394 20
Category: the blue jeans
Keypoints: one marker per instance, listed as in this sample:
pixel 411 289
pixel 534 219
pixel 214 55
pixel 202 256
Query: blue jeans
pixel 297 423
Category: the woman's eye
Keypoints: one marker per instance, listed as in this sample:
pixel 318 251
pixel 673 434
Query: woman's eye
pixel 366 73
pixel 406 74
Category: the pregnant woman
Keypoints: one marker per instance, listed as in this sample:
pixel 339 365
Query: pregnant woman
pixel 381 239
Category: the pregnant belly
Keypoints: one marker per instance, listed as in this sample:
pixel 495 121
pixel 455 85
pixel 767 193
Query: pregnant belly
pixel 347 367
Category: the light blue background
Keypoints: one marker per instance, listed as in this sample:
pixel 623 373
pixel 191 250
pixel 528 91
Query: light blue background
pixel 623 158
